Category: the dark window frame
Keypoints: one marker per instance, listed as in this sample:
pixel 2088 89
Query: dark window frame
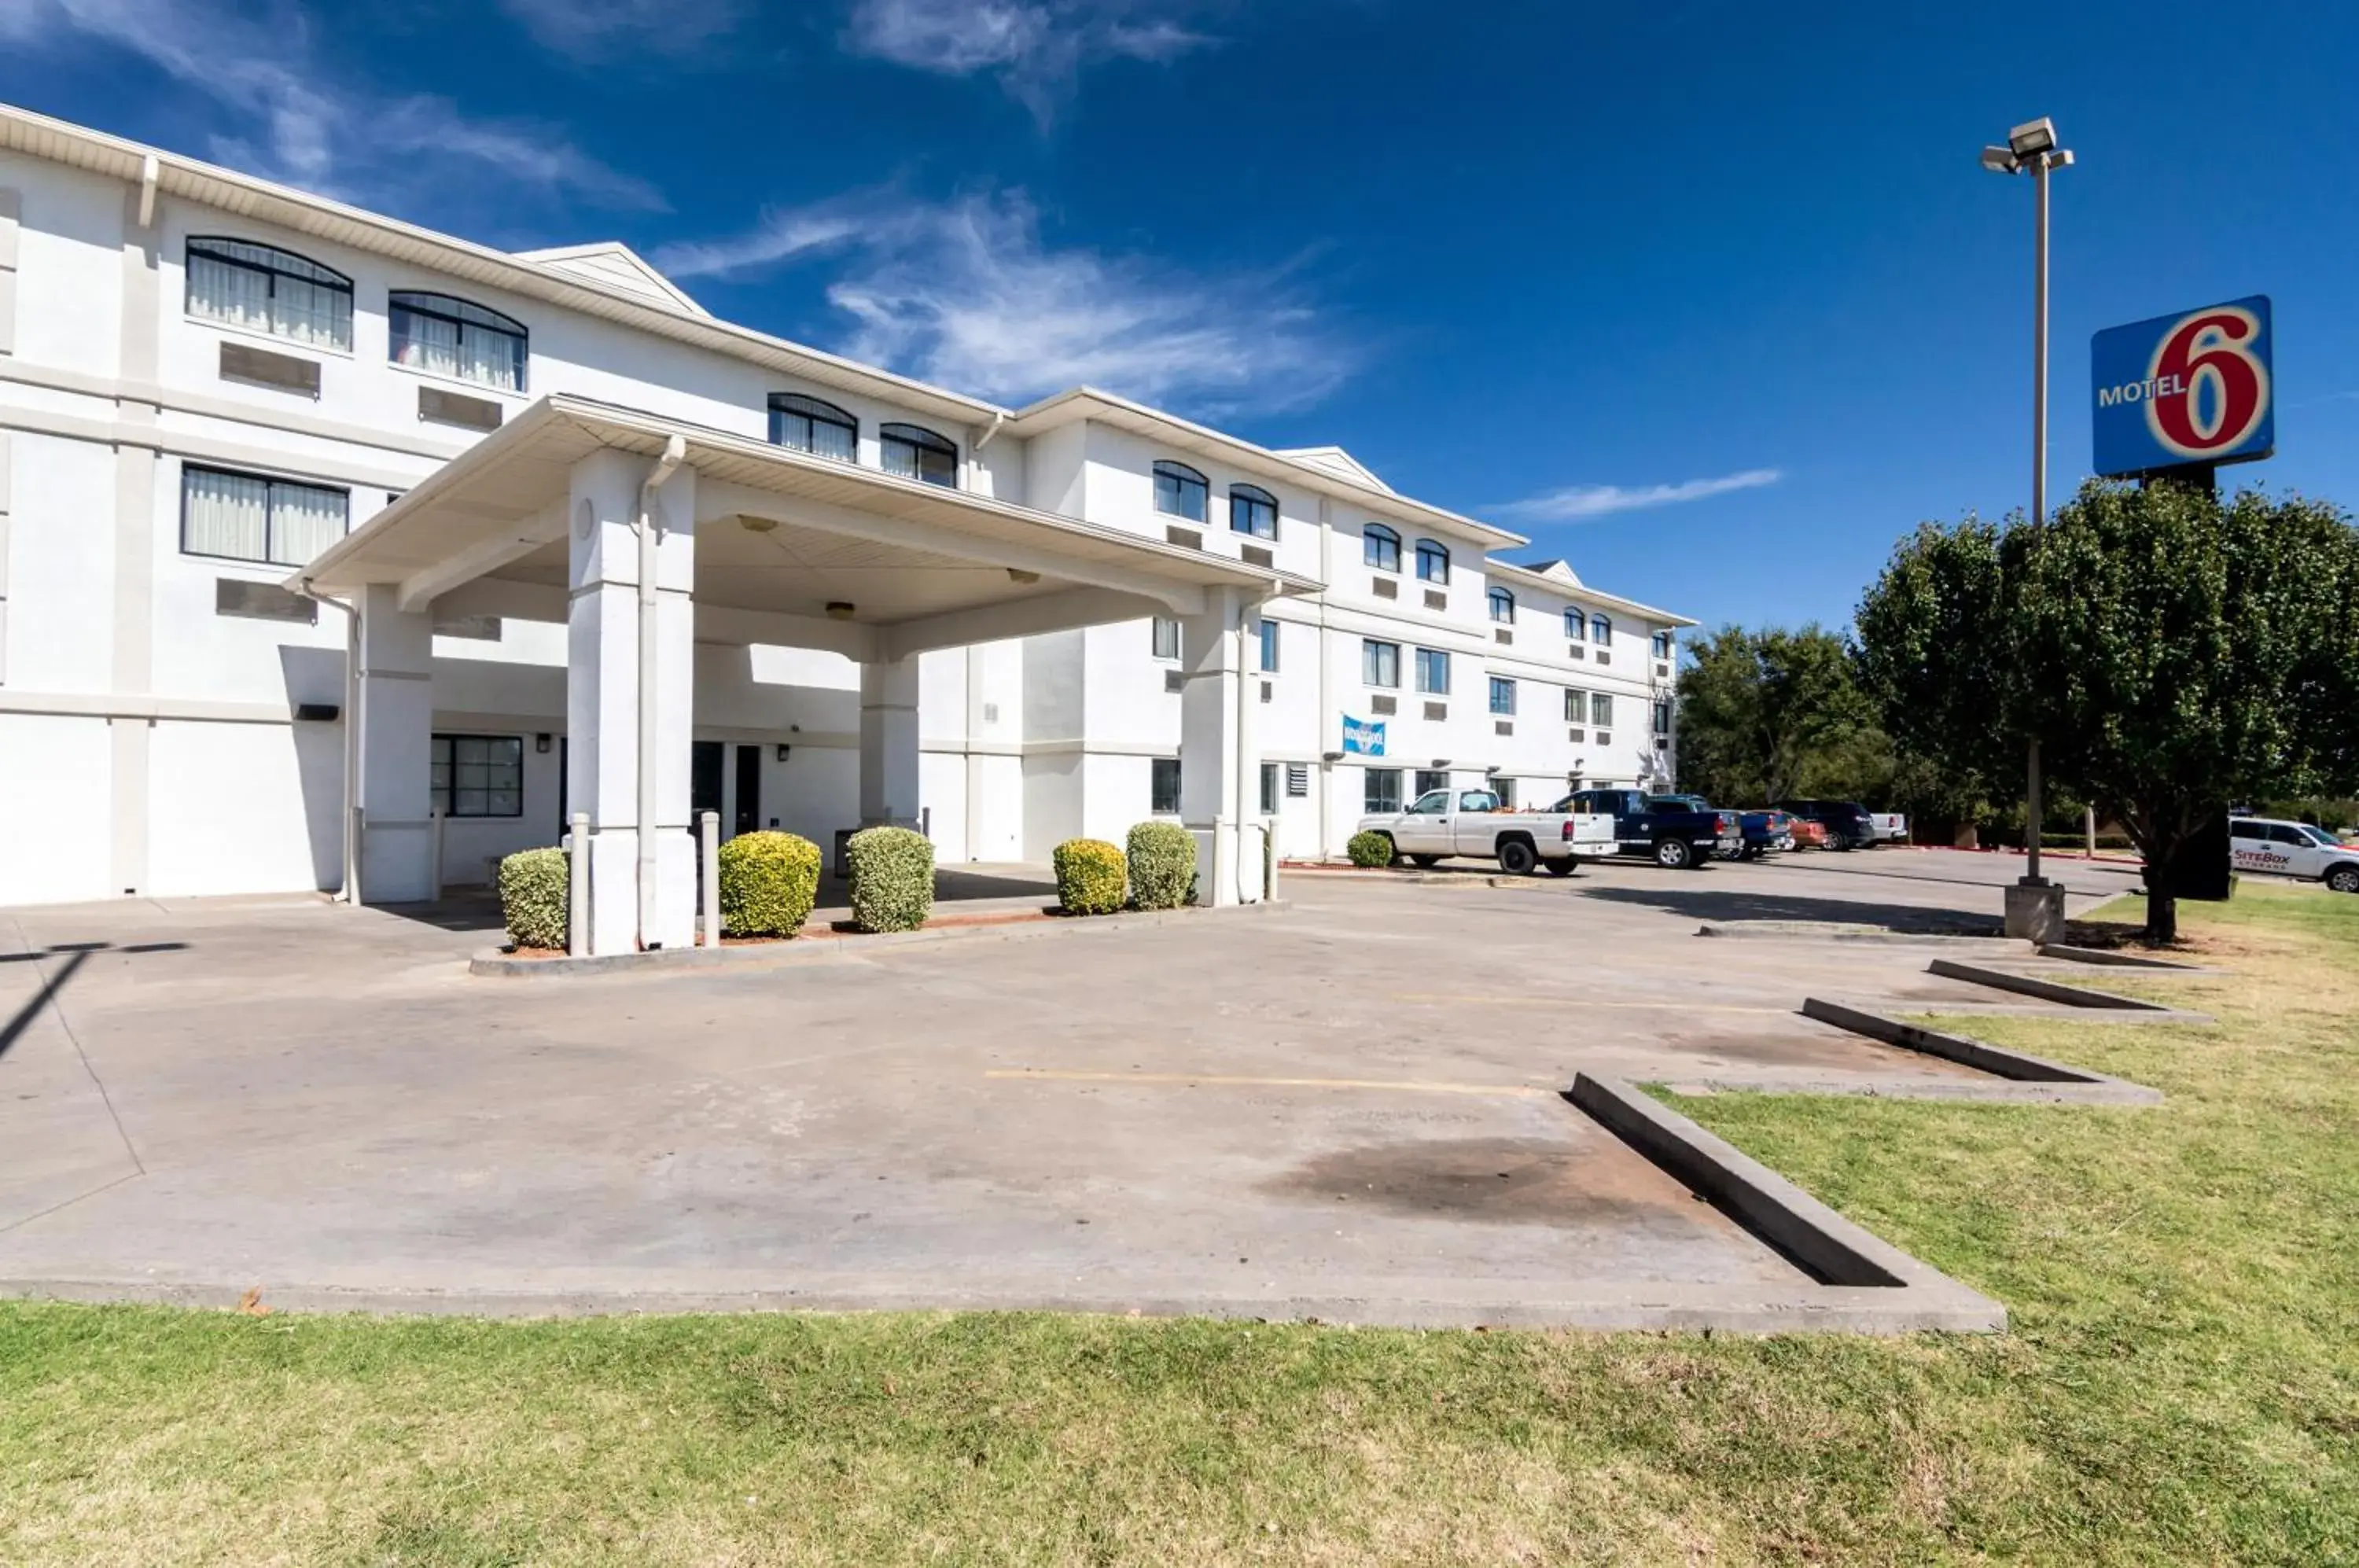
pixel 1183 478
pixel 1497 597
pixel 1269 789
pixel 1576 624
pixel 1503 696
pixel 329 278
pixel 1429 551
pixel 1601 630
pixel 923 443
pixel 269 515
pixel 1252 496
pixel 1269 638
pixel 1428 659
pixel 813 411
pixel 1601 710
pixel 437 306
pixel 1376 542
pixel 1369 669
pixel 1380 791
pixel 442 751
pixel 1665 645
pixel 1159 771
pixel 1156 638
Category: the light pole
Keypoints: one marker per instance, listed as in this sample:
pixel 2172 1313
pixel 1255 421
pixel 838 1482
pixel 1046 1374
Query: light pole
pixel 2032 150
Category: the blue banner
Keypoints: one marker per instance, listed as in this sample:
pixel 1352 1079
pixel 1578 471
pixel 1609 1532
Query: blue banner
pixel 1363 738
pixel 2194 388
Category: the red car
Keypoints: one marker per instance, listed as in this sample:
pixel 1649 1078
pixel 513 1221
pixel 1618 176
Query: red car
pixel 1808 834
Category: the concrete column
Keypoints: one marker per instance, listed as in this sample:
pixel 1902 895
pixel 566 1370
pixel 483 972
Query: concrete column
pixel 396 725
pixel 601 696
pixel 889 742
pixel 1218 751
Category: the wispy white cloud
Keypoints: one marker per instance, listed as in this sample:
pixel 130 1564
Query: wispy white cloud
pixel 1036 48
pixel 968 294
pixel 1577 503
pixel 603 29
pixel 284 114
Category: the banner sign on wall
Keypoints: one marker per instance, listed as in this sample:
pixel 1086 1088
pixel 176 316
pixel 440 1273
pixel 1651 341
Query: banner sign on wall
pixel 2197 387
pixel 1363 738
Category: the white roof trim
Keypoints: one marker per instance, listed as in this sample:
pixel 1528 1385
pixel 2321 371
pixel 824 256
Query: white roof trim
pixel 1576 588
pixel 1335 459
pixel 627 260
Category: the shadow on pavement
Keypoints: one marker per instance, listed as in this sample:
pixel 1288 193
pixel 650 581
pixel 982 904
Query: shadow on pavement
pixel 1709 904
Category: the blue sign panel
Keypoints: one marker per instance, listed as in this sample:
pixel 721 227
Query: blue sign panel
pixel 1363 738
pixel 2195 387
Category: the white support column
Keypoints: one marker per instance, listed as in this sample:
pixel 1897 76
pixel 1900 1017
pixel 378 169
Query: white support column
pixel 397 719
pixel 1218 749
pixel 889 742
pixel 601 697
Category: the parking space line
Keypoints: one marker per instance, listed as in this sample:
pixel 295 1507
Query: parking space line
pixel 1584 1002
pixel 1227 1081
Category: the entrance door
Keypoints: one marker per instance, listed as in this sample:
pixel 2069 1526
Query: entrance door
pixel 748 815
pixel 703 782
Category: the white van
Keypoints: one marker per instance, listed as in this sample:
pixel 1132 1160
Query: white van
pixel 2292 849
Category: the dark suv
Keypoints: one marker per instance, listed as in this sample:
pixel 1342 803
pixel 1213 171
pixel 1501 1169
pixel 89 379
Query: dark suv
pixel 1847 822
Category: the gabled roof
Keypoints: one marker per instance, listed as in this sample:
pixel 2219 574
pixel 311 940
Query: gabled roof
pixel 1335 459
pixel 611 264
pixel 1558 577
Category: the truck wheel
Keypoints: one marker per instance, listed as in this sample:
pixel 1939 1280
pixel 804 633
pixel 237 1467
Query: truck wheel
pixel 1673 854
pixel 2343 879
pixel 1517 858
pixel 1423 861
pixel 1564 867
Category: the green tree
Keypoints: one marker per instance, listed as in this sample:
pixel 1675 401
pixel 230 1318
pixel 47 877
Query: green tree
pixel 2171 653
pixel 1765 715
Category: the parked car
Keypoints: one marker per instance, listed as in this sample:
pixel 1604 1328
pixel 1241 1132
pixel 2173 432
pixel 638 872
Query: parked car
pixel 1765 832
pixel 1445 822
pixel 1807 834
pixel 2292 849
pixel 1847 822
pixel 1670 830
pixel 1891 827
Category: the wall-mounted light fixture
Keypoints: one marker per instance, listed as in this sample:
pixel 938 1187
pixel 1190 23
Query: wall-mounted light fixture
pixel 540 741
pixel 756 525
pixel 840 609
pixel 1018 575
pixel 783 749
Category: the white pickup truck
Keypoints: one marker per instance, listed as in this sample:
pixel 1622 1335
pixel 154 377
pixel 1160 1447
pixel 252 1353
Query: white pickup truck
pixel 1469 822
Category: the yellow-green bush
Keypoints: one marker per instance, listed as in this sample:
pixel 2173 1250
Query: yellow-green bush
pixel 1370 851
pixel 769 883
pixel 1162 865
pixel 892 878
pixel 1092 878
pixel 533 887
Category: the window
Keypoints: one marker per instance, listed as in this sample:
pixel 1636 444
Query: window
pixel 479 775
pixel 266 290
pixel 806 424
pixel 1432 561
pixel 436 334
pixel 1180 491
pixel 1601 630
pixel 1502 694
pixel 1662 718
pixel 1253 510
pixel 1430 803
pixel 1576 625
pixel 1505 790
pixel 1601 710
pixel 1380 547
pixel 244 517
pixel 1380 791
pixel 1433 671
pixel 915 452
pixel 1664 646
pixel 1379 662
pixel 1431 781
pixel 1163 787
pixel 1166 638
pixel 1576 706
pixel 1269 789
pixel 1503 605
pixel 1479 801
pixel 1268 645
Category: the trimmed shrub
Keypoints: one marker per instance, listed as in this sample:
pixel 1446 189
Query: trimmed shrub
pixel 1162 865
pixel 533 887
pixel 1092 876
pixel 1370 851
pixel 769 883
pixel 892 878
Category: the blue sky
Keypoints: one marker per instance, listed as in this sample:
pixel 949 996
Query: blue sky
pixel 1713 303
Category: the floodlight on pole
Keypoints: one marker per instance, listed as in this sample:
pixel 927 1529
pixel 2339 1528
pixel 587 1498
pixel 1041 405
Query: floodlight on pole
pixel 2029 140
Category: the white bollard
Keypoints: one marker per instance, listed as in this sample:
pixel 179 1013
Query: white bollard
pixel 576 888
pixel 711 822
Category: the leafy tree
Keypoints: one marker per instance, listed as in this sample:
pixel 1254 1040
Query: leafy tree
pixel 2171 653
pixel 1764 714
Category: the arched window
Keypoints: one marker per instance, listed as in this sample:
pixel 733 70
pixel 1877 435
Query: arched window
pixel 444 336
pixel 915 452
pixel 1665 645
pixel 1503 605
pixel 1253 510
pixel 1601 630
pixel 1576 624
pixel 266 290
pixel 806 424
pixel 1380 546
pixel 1180 491
pixel 1432 561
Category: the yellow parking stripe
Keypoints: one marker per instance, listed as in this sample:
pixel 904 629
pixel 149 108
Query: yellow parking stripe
pixel 1406 1085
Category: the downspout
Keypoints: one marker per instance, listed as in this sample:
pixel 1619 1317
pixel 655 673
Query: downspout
pixel 150 174
pixel 675 453
pixel 996 421
pixel 350 893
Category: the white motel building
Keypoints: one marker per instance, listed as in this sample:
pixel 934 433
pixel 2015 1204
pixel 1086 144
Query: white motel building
pixel 326 541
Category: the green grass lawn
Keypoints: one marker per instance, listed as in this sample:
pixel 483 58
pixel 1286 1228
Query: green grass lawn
pixel 2181 1383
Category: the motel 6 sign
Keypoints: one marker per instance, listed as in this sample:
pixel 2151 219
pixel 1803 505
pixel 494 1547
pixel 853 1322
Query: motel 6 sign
pixel 2191 389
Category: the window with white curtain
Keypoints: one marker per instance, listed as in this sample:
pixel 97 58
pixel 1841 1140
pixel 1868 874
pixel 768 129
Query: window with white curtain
pixel 914 452
pixel 248 517
pixel 807 424
pixel 265 289
pixel 443 336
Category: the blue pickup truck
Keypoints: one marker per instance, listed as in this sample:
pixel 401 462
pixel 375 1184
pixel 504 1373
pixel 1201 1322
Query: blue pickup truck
pixel 1672 831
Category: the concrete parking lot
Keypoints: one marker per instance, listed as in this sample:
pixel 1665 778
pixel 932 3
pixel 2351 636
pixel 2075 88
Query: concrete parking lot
pixel 1347 1107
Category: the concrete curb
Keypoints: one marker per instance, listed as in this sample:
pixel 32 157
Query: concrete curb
pixel 1893 1291
pixel 2045 990
pixel 849 948
pixel 1831 930
pixel 1952 1091
pixel 2020 1067
pixel 2106 955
